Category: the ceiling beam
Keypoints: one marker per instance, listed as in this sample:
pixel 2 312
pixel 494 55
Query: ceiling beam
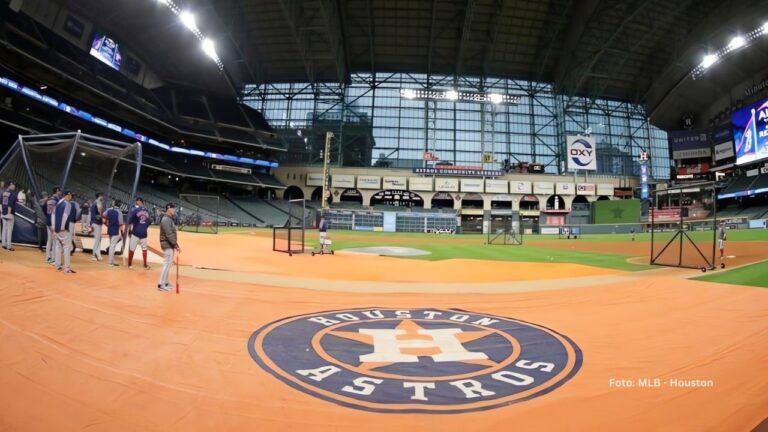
pixel 333 13
pixel 431 38
pixel 464 37
pixel 292 13
pixel 658 24
pixel 583 74
pixel 553 38
pixel 371 37
pixel 585 12
pixel 493 34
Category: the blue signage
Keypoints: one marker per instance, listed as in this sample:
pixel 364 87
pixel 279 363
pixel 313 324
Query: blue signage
pixel 62 106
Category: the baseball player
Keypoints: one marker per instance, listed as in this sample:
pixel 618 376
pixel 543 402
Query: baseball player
pixel 63 216
pixel 78 214
pixel 138 223
pixel 632 233
pixel 169 243
pixel 50 209
pixel 114 218
pixel 323 231
pixel 97 209
pixel 2 191
pixel 8 210
pixel 721 235
pixel 85 221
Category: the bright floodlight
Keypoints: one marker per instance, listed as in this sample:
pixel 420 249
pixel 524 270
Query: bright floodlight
pixel 209 48
pixel 765 28
pixel 709 60
pixel 737 42
pixel 495 98
pixel 409 93
pixel 452 95
pixel 188 19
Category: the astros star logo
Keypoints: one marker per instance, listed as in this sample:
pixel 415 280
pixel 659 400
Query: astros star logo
pixel 415 360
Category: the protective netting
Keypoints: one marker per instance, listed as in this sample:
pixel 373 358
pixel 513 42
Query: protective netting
pixel 684 227
pixel 82 163
pixel 198 213
pixel 504 230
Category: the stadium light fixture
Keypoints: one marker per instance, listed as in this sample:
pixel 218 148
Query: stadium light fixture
pixel 462 96
pixel 209 48
pixel 708 60
pixel 188 19
pixel 736 43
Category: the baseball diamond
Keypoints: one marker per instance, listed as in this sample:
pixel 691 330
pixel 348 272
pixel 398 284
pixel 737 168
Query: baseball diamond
pixel 383 215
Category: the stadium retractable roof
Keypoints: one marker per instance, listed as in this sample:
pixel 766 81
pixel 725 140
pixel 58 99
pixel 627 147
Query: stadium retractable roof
pixel 634 50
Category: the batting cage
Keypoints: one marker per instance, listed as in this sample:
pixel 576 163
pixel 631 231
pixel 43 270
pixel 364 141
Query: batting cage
pixel 569 232
pixel 199 213
pixel 84 164
pixel 684 227
pixel 505 230
pixel 290 237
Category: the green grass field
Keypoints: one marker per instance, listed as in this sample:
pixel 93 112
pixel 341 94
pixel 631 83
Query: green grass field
pixel 471 246
pixel 755 275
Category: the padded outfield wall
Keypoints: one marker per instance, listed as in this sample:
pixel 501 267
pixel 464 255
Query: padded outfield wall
pixel 616 211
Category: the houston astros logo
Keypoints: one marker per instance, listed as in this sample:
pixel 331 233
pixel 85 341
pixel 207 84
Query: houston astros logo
pixel 581 152
pixel 417 360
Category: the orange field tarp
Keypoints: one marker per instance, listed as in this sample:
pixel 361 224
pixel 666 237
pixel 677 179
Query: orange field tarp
pixel 103 350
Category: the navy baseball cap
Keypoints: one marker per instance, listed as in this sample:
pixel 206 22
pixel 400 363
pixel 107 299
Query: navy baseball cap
pixel 170 205
pixel 68 192
pixel 139 199
pixel 56 189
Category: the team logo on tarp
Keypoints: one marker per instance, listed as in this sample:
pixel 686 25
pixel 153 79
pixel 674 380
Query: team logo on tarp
pixel 417 360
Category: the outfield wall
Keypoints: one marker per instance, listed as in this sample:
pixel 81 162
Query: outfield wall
pixel 616 211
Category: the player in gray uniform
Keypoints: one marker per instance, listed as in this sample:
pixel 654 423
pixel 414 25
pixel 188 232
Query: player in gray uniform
pixel 50 208
pixel 169 244
pixel 2 191
pixel 8 199
pixel 63 215
pixel 78 214
pixel 721 235
pixel 97 212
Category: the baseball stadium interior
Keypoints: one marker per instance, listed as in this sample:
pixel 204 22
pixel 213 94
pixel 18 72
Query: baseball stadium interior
pixel 476 215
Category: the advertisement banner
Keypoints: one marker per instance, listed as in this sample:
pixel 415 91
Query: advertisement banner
pixel 605 189
pixel 395 183
pixel 420 184
pixel 497 186
pixel 565 189
pixel 701 168
pixel 750 133
pixel 314 179
pixel 644 181
pixel 722 134
pixel 689 144
pixel 724 151
pixel 543 188
pixel 368 182
pixel 585 189
pixel 582 154
pixel 343 181
pixel 520 187
pixel 459 171
pixel 472 185
pixel 447 185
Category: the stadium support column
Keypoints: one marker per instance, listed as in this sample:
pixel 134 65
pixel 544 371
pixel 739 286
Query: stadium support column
pixel 326 174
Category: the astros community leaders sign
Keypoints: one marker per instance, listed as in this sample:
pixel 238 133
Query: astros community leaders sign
pixel 415 360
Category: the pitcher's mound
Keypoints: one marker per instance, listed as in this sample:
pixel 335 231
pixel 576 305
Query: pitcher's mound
pixel 388 251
